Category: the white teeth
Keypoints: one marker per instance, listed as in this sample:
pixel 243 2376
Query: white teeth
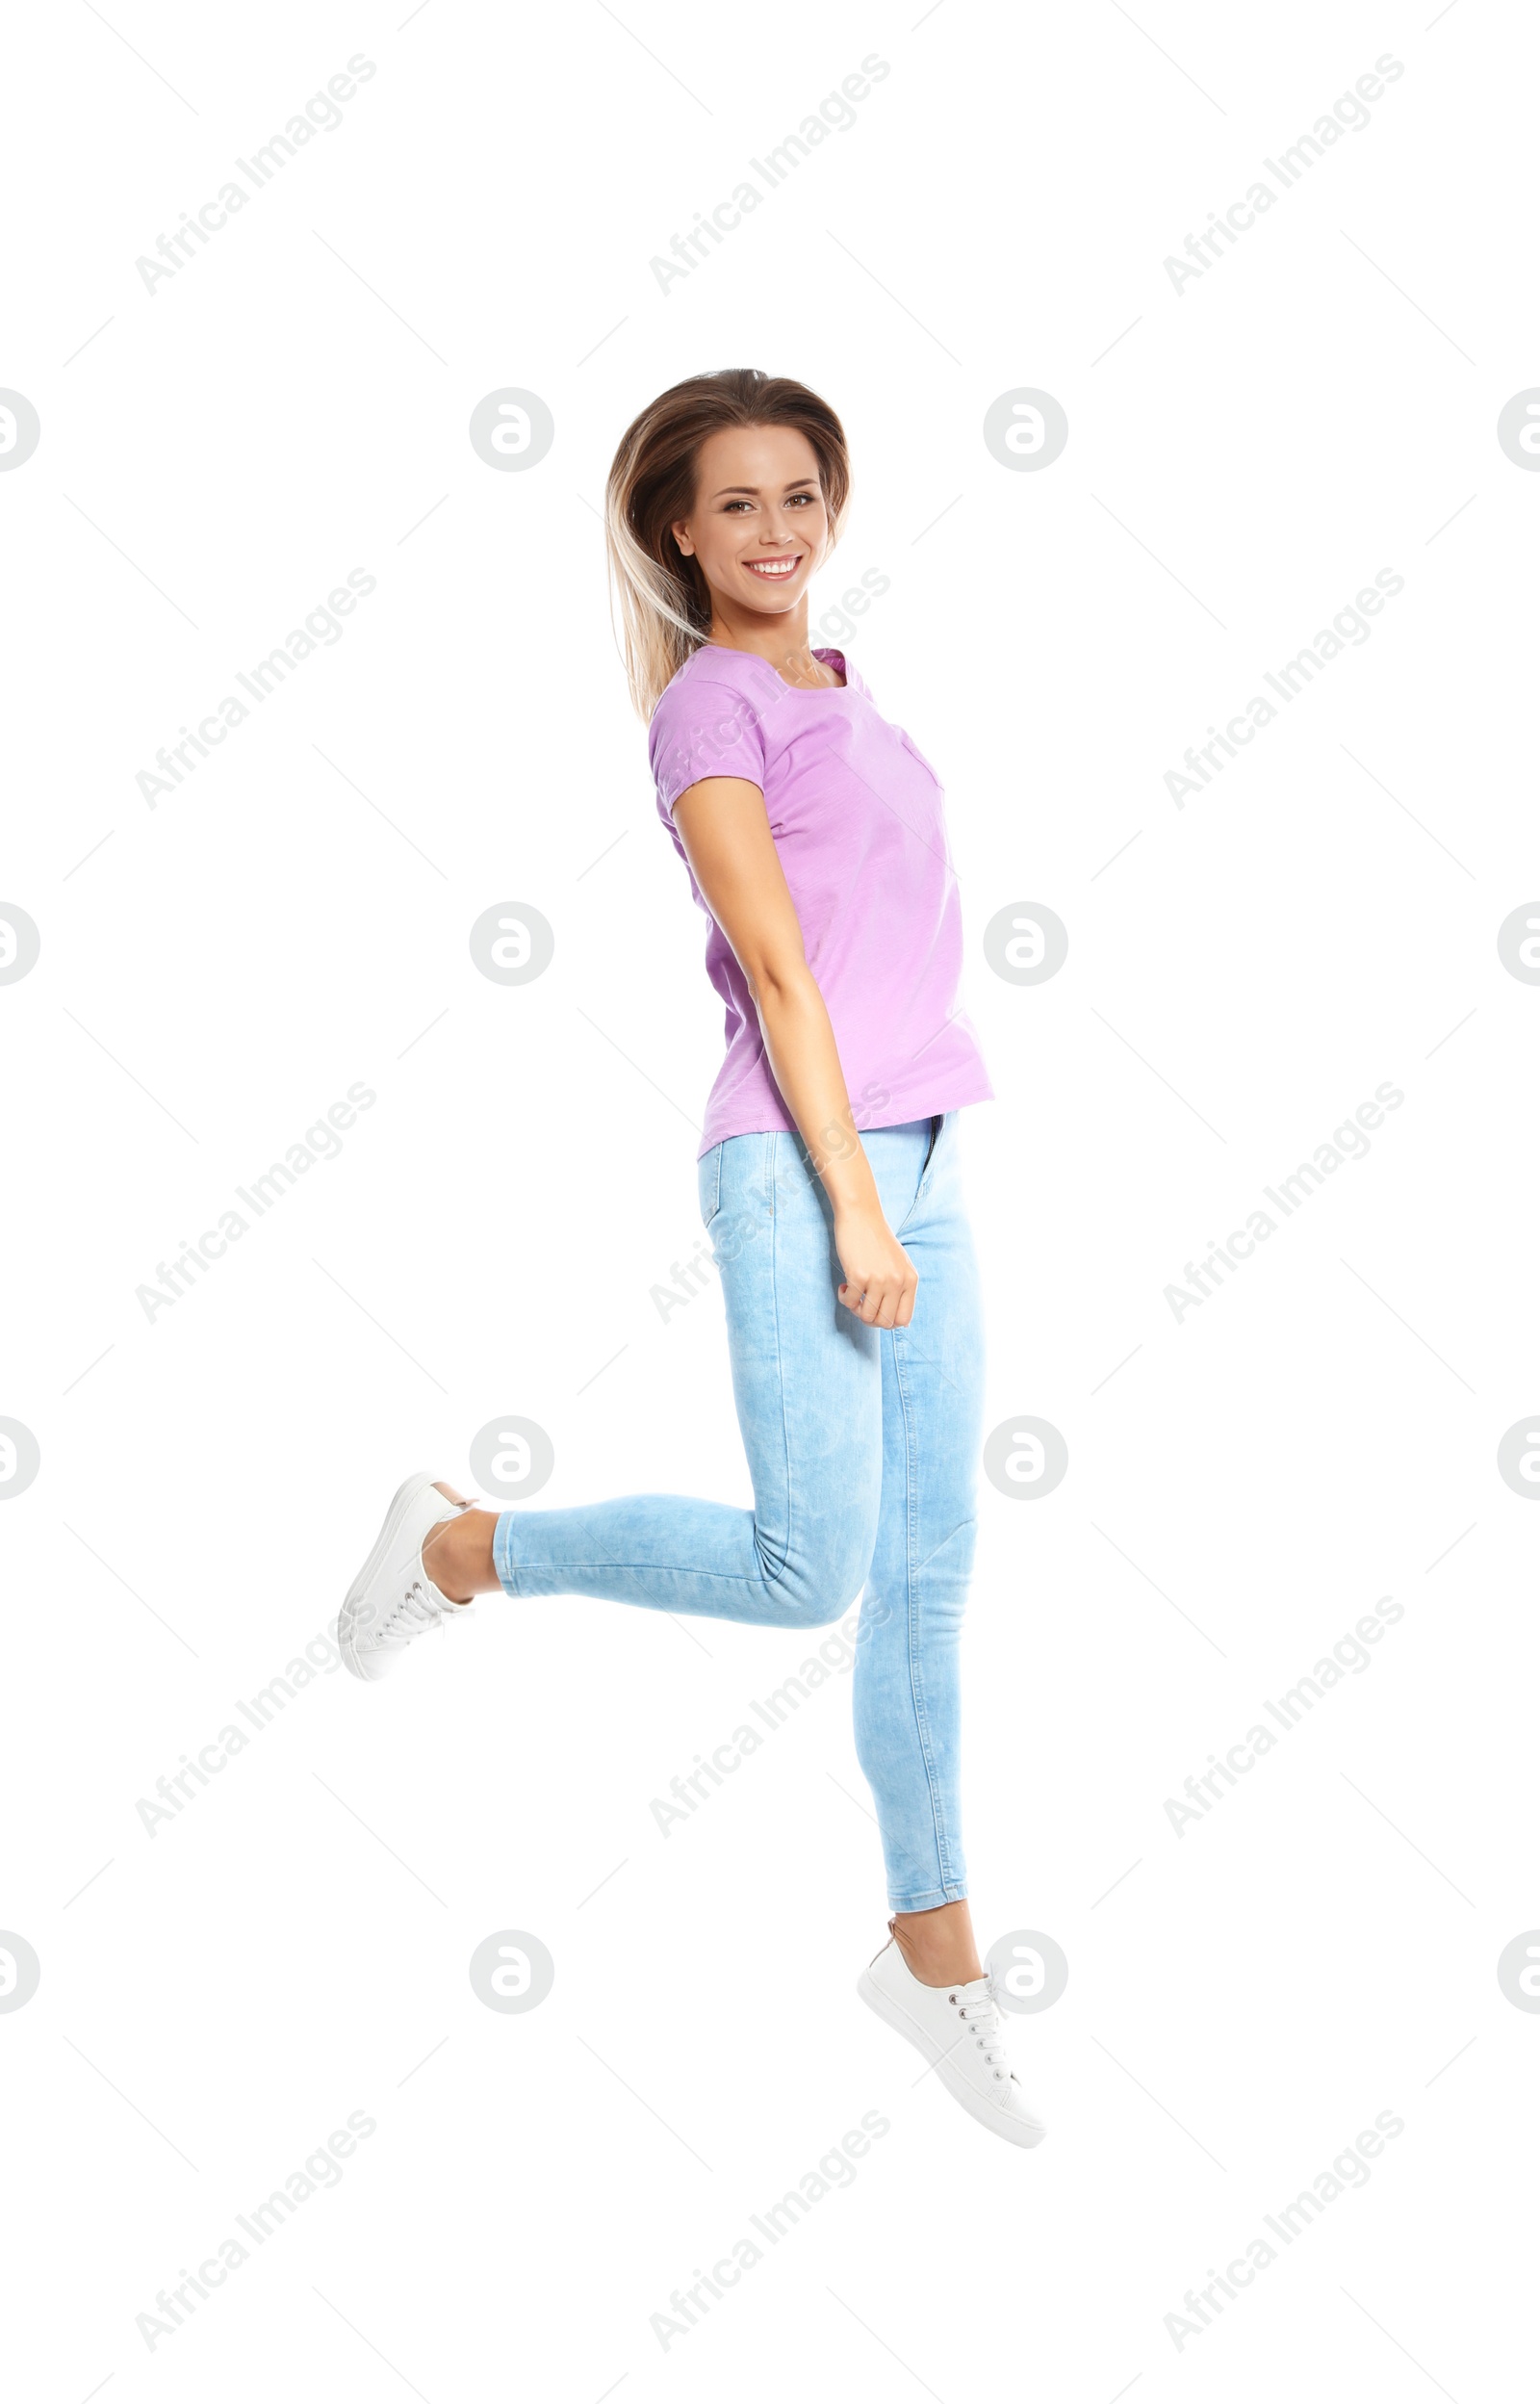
pixel 770 567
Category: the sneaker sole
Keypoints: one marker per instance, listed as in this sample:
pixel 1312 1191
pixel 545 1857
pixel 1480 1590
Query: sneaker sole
pixel 344 1629
pixel 1015 2131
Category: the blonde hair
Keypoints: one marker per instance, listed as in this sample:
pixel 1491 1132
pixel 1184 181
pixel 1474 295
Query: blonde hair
pixel 665 602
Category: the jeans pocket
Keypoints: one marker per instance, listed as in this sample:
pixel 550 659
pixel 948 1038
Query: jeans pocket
pixel 940 1124
pixel 708 1184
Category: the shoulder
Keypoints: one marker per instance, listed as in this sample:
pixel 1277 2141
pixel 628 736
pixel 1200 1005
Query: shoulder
pixel 711 667
pixel 708 720
pixel 709 680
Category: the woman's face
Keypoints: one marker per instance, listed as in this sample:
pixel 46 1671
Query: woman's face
pixel 760 526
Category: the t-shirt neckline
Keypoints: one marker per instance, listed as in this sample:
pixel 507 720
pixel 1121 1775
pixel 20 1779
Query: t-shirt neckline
pixel 819 651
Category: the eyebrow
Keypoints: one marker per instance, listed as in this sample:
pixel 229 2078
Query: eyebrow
pixel 796 484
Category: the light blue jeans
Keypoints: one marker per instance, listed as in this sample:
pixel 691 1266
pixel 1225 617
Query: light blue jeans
pixel 862 1446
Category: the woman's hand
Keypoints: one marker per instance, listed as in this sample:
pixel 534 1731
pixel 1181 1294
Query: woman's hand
pixel 881 1281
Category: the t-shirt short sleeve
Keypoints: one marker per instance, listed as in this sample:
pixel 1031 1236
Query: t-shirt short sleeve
pixel 703 729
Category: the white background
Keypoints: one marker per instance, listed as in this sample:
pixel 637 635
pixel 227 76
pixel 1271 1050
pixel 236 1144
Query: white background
pixel 1243 456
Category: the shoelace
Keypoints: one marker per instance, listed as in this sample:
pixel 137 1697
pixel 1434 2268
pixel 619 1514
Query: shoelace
pixel 417 1608
pixel 981 2018
pixel 415 1611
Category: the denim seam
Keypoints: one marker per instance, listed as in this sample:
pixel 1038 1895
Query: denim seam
pixel 503 1561
pixel 774 1579
pixel 922 1723
pixel 962 1528
pixel 772 1142
pixel 930 1900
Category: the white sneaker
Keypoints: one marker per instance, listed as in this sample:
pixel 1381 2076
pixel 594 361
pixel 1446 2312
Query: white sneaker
pixel 958 2030
pixel 393 1599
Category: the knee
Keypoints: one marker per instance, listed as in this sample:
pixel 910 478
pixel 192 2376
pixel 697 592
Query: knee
pixel 830 1585
pixel 821 1587
pixel 827 1605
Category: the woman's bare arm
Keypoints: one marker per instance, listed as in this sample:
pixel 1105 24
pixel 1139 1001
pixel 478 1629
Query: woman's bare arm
pixel 727 839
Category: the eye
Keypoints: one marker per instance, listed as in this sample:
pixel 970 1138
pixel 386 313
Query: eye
pixel 809 497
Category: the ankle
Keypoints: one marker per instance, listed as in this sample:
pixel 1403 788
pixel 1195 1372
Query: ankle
pixel 940 1972
pixel 937 1946
pixel 457 1556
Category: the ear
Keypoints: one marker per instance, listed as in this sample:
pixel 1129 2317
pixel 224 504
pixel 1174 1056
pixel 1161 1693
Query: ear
pixel 677 529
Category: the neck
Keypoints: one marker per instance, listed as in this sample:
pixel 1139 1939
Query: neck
pixel 780 640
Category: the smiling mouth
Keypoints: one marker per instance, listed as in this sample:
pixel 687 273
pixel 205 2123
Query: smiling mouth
pixel 774 571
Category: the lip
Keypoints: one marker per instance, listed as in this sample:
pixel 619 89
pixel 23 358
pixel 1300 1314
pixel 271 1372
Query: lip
pixel 776 567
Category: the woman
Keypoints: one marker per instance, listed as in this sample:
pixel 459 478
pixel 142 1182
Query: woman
pixel 813 833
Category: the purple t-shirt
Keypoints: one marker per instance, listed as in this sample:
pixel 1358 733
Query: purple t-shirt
pixel 855 810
